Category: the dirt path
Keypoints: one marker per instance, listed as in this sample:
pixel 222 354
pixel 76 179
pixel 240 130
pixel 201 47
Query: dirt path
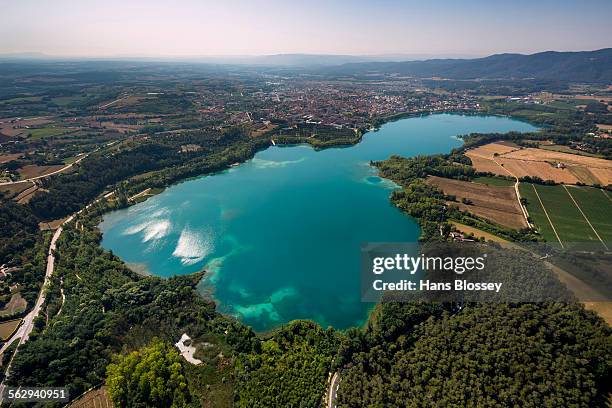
pixel 143 192
pixel 517 192
pixel 63 297
pixel 113 102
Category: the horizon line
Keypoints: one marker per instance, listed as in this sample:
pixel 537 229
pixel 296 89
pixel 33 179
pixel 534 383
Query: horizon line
pixel 41 54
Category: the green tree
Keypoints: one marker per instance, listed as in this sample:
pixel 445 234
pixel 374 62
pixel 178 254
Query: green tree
pixel 149 377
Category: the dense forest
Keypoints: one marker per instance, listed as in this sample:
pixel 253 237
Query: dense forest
pixel 290 370
pixel 18 229
pixel 527 355
pixel 149 377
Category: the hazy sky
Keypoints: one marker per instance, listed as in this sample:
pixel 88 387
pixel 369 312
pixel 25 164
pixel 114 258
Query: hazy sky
pixel 247 27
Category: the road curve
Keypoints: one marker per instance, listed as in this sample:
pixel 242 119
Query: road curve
pixel 332 391
pixel 66 167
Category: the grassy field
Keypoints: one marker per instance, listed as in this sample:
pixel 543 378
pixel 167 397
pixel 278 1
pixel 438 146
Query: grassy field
pixel 65 101
pixel 494 181
pixel 555 206
pixel 24 99
pixel 567 149
pixel 47 132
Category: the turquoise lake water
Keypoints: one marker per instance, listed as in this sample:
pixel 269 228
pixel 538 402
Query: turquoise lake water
pixel 280 235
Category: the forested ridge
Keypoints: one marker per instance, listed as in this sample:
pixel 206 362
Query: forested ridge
pixel 584 66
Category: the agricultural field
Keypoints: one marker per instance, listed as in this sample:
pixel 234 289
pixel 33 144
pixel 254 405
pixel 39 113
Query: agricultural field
pixel 45 132
pixel 7 328
pixel 16 304
pixel 466 229
pixel 68 101
pixel 33 170
pixel 605 128
pixel 5 158
pixel 13 190
pixel 570 214
pixel 24 99
pixel 496 203
pixel 494 181
pixel 505 159
pixel 96 398
pixel 20 127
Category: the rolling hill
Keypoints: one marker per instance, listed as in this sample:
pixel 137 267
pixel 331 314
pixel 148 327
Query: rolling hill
pixel 583 66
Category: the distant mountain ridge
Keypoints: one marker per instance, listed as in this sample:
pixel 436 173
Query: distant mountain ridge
pixel 271 60
pixel 580 66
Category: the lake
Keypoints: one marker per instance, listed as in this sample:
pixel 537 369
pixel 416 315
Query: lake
pixel 280 235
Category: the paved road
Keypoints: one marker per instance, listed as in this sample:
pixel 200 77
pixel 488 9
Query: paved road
pixel 66 167
pixel 113 102
pixel 333 391
pixel 23 332
pixel 27 324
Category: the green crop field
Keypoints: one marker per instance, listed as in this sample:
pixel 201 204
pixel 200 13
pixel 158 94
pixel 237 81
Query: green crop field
pixel 47 132
pixel 494 181
pixel 597 206
pixel 566 218
pixel 66 101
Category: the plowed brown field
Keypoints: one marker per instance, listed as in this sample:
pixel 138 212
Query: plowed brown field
pixel 498 204
pixel 505 159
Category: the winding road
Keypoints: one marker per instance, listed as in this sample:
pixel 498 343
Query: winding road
pixel 66 167
pixel 23 332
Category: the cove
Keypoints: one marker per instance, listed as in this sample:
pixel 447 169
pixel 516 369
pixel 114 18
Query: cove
pixel 280 235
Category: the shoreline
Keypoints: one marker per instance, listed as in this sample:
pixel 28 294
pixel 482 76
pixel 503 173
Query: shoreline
pixel 209 291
